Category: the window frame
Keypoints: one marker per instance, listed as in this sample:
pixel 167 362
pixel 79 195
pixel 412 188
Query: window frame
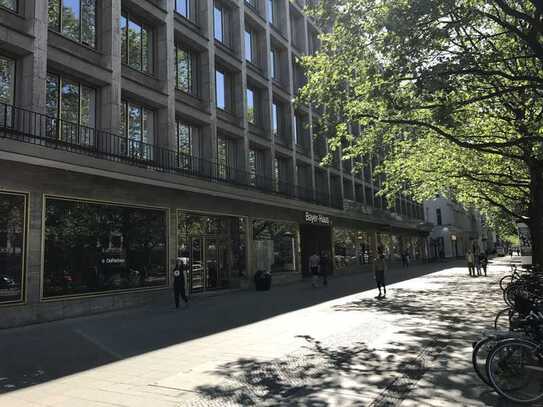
pixel 13 85
pixel 13 10
pixel 150 43
pixel 59 28
pixel 125 131
pixel 249 34
pixel 219 7
pixel 187 6
pixel 254 93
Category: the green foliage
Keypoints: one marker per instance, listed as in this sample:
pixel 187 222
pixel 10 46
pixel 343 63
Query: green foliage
pixel 449 90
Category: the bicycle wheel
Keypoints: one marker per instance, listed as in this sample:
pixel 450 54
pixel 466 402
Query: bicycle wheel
pixel 481 350
pixel 505 281
pixel 515 370
pixel 502 320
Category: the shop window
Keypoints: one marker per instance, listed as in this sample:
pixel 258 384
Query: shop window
pixel 12 232
pixel 7 90
pixel 71 108
pixel 76 19
pixel 136 45
pixel 351 248
pixel 137 123
pixel 275 246
pixel 94 248
pixel 185 70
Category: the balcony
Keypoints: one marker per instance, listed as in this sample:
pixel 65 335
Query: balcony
pixel 51 133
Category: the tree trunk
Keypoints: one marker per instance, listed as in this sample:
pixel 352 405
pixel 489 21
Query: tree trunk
pixel 535 223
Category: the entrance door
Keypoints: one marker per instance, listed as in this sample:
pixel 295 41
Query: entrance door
pixel 209 266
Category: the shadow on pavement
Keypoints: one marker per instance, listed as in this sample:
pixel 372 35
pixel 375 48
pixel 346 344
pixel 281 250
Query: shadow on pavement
pixel 40 353
pixel 430 366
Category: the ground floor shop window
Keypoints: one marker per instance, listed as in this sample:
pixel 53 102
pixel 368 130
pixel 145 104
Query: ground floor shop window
pixel 276 245
pixel 213 248
pixel 351 248
pixel 92 247
pixel 12 246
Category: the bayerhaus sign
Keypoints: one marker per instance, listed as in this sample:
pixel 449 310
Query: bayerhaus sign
pixel 316 219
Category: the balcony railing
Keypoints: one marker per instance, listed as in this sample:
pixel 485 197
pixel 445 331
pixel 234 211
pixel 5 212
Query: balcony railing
pixel 35 128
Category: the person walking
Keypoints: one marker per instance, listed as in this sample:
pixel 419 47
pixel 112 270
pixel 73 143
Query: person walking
pixel 314 262
pixel 404 259
pixel 477 258
pixel 379 267
pixel 324 266
pixel 180 281
pixel 483 261
pixel 471 263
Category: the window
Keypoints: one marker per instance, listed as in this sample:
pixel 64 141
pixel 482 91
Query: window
pixel 7 80
pixel 218 23
pixel 274 64
pixel 9 4
pixel 275 123
pixel 271 5
pixel 252 167
pixel 71 106
pixel 251 108
pixel 129 247
pixel 183 7
pixel 136 48
pixel 76 19
pixel 137 124
pixel 185 144
pixel 295 130
pixel 184 70
pixel 438 216
pixel 249 46
pixel 220 90
pixel 252 3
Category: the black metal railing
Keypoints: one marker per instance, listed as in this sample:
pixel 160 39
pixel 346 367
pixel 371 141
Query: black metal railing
pixel 39 129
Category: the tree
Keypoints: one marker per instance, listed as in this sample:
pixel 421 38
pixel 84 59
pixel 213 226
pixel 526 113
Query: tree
pixel 448 90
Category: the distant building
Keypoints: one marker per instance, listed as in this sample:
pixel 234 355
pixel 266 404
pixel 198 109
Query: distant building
pixel 456 229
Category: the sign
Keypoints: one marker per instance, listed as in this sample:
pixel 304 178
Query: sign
pixel 316 219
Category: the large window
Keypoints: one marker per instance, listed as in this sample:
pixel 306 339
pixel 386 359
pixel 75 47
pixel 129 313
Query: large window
pixel 184 68
pixel 218 19
pixel 92 248
pixel 12 246
pixel 76 19
pixel 136 45
pixel 275 246
pixel 137 124
pixel 272 11
pixel 275 119
pixel 251 106
pixel 9 4
pixel 7 89
pixel 220 89
pixel 71 106
pixel 274 73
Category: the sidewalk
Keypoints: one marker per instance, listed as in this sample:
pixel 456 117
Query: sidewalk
pixel 294 345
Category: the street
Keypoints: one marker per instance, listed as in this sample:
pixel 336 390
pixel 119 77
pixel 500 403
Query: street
pixel 294 345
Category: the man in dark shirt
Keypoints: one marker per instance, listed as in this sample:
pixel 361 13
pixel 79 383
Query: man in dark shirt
pixel 179 281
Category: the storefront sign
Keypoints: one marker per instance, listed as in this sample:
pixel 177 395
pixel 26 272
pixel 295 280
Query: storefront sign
pixel 316 219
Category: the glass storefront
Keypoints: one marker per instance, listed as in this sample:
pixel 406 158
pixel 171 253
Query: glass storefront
pixel 214 249
pixel 276 245
pixel 93 248
pixel 12 246
pixel 351 248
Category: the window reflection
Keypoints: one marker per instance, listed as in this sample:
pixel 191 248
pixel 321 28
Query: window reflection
pixel 275 245
pixel 92 248
pixel 12 246
pixel 76 19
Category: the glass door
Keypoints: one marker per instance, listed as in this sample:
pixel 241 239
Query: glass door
pixel 212 265
pixel 197 274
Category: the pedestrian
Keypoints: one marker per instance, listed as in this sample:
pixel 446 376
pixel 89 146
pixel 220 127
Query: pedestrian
pixel 314 262
pixel 180 281
pixel 477 258
pixel 471 263
pixel 404 258
pixel 483 260
pixel 324 266
pixel 379 267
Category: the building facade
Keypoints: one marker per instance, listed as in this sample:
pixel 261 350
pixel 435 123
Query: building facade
pixel 133 132
pixel 456 229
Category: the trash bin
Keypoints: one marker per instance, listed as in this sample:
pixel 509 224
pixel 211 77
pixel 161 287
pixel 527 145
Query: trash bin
pixel 262 280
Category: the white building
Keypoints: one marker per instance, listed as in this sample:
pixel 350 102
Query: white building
pixel 456 229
